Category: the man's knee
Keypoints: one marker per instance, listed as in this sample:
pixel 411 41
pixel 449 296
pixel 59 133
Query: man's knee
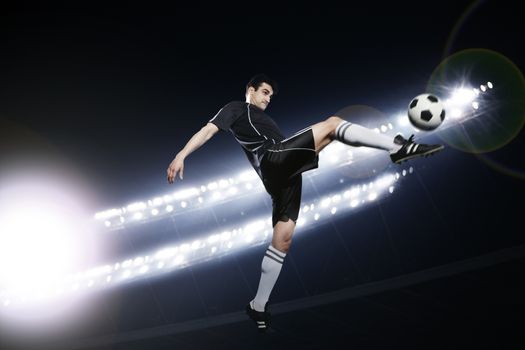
pixel 334 120
pixel 282 245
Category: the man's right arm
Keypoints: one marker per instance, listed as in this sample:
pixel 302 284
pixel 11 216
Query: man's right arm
pixel 197 140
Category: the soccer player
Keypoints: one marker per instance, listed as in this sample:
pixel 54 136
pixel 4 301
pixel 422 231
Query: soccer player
pixel 280 162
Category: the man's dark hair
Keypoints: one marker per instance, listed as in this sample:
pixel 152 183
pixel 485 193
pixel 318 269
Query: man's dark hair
pixel 257 80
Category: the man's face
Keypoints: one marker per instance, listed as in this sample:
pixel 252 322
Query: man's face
pixel 260 97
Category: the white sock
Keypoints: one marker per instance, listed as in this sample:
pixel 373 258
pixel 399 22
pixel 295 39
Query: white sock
pixel 357 135
pixel 270 269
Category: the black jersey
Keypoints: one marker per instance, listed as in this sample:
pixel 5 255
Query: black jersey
pixel 252 128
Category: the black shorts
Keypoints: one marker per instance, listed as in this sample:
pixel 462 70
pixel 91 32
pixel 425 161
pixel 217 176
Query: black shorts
pixel 281 168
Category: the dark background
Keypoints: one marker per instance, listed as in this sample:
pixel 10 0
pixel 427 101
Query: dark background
pixel 112 92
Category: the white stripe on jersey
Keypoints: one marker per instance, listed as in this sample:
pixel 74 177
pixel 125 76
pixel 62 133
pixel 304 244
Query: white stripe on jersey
pixel 246 142
pixel 245 145
pixel 291 149
pixel 298 133
pixel 250 120
pixel 216 114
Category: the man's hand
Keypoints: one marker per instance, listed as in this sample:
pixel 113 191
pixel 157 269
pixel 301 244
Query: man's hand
pixel 197 140
pixel 176 166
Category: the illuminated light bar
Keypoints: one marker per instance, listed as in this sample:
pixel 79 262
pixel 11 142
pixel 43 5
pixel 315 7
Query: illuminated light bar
pixel 108 214
pixel 246 184
pixel 207 247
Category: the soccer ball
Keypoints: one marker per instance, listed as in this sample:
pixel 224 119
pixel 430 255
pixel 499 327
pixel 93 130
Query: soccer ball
pixel 426 112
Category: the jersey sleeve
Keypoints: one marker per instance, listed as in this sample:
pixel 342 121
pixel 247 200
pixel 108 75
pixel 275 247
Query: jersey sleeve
pixel 227 115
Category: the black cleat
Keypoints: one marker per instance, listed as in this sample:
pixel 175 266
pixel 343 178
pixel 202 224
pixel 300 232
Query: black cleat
pixel 261 319
pixel 410 149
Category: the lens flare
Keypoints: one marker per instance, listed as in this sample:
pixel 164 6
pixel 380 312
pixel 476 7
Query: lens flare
pixel 501 114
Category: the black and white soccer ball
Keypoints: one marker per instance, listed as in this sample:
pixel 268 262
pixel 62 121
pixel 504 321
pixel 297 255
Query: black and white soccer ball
pixel 426 112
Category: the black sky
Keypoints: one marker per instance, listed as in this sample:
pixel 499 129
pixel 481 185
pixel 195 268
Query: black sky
pixel 117 90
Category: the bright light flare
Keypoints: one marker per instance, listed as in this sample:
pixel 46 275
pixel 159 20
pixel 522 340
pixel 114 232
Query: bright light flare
pixel 403 120
pixel 46 234
pixel 456 113
pixel 465 102
pixel 41 235
pixel 36 247
pixel 461 97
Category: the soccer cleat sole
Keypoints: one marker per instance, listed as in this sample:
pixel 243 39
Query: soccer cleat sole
pixel 429 153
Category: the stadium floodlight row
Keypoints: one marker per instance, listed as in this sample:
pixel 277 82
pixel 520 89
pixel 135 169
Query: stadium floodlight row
pixel 215 192
pixel 206 247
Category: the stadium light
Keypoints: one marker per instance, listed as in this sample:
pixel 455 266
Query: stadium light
pixel 44 236
pixel 204 247
pixel 461 97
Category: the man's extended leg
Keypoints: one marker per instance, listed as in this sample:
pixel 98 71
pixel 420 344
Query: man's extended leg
pixel 335 128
